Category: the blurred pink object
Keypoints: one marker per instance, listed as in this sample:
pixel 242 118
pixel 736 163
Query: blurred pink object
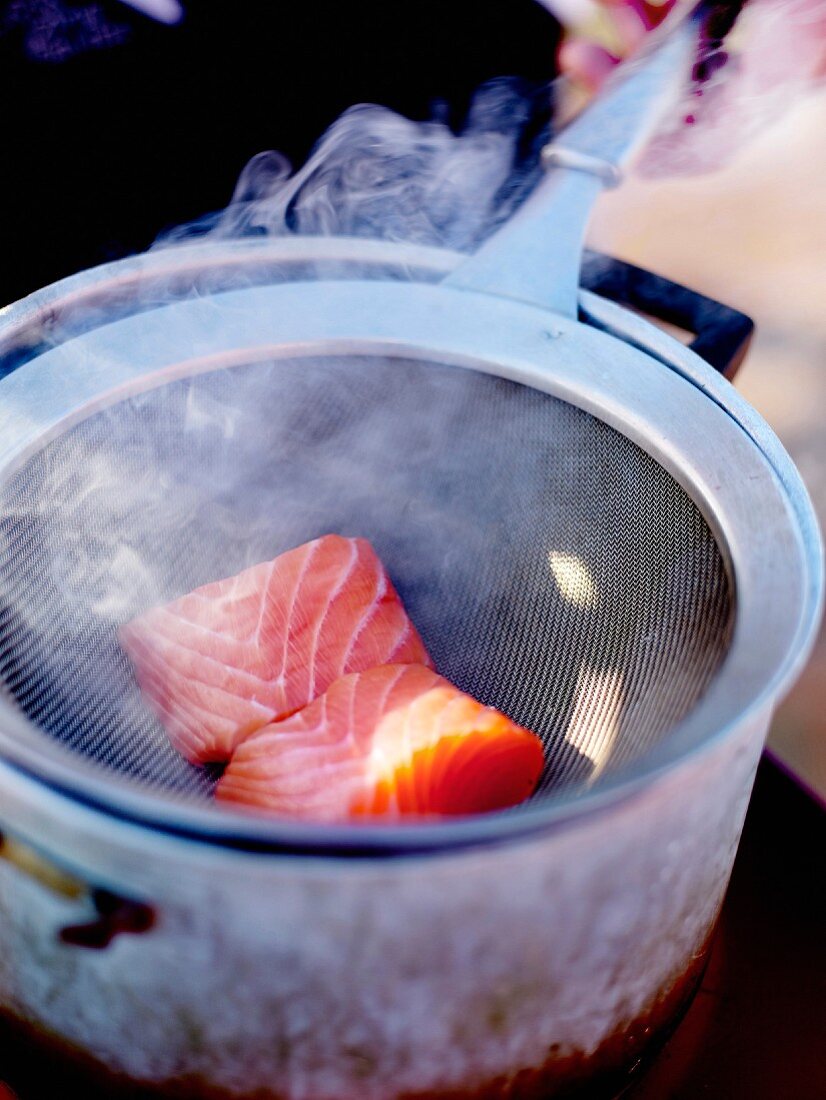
pixel 588 62
pixel 775 55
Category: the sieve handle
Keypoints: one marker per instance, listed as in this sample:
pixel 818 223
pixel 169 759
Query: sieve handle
pixel 535 257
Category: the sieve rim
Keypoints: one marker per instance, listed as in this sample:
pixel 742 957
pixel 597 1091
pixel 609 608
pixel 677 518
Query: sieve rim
pixel 272 834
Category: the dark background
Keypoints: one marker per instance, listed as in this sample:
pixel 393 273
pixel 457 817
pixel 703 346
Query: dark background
pixel 116 127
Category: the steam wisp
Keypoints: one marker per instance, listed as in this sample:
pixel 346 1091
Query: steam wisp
pixel 377 174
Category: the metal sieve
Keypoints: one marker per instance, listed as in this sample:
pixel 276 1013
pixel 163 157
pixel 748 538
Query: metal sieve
pixel 579 591
pixel 589 528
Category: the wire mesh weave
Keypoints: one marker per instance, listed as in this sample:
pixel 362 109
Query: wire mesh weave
pixel 552 567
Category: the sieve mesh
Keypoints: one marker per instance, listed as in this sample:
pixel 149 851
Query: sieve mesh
pixel 553 568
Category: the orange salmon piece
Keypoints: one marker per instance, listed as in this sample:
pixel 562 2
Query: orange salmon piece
pixel 391 742
pixel 235 655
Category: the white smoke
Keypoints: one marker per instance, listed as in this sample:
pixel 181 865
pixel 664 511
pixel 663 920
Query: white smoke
pixel 378 174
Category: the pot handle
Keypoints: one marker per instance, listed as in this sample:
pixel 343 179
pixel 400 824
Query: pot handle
pixel 113 914
pixel 721 334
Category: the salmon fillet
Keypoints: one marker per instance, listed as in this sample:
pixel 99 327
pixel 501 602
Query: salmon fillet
pixel 392 741
pixel 235 655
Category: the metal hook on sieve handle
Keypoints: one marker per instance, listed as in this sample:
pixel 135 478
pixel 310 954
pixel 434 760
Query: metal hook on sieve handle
pixel 536 256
